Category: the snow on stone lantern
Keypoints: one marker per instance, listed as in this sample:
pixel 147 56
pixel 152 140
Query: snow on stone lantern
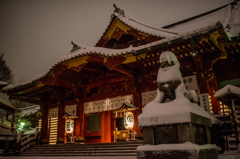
pixel 173 125
pixel 230 96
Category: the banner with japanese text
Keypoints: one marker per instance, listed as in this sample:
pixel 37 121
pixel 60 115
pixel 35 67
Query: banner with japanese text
pixel 190 82
pixel 204 101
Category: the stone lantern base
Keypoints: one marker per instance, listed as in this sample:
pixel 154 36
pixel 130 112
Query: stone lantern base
pixel 188 140
pixel 183 152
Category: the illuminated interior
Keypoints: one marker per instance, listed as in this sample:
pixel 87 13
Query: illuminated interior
pixel 53 125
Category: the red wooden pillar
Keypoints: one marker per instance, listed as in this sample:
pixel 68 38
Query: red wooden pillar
pixel 61 123
pixel 215 104
pixel 113 126
pixel 102 126
pixel 77 124
pixel 85 127
pixel 108 130
pixel 44 126
pixel 80 122
pixel 203 85
pixel 81 119
pixel 105 126
pixel 137 102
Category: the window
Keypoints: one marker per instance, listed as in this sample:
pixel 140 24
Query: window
pixel 210 104
pixel 226 110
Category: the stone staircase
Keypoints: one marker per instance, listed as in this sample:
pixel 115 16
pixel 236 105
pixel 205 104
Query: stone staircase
pixel 97 149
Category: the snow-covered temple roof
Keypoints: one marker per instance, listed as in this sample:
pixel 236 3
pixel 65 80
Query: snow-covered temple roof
pixel 3 83
pixel 229 16
pixel 228 89
pixel 7 106
pixel 29 110
pixel 229 93
pixel 116 52
pixel 140 26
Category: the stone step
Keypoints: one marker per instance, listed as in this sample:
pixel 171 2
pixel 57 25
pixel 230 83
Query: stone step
pixel 83 154
pixel 99 149
pixel 80 151
pixel 95 144
pixel 85 149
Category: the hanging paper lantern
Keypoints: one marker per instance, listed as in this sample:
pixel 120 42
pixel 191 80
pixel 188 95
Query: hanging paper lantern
pixel 128 120
pixel 69 125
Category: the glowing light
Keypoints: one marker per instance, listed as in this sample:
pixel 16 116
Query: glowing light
pixel 128 120
pixel 69 126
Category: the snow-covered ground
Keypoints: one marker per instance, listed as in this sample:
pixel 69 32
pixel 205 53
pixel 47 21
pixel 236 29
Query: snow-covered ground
pixel 226 155
pixel 230 156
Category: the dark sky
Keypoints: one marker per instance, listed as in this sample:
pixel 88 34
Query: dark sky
pixel 34 34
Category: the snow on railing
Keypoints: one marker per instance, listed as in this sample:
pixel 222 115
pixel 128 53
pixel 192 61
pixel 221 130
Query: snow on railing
pixel 28 140
pixel 232 142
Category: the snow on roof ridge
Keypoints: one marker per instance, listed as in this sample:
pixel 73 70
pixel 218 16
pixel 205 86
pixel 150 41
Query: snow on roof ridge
pixel 152 27
pixel 227 89
pixel 80 45
pixel 185 35
pixel 3 83
pixel 204 19
pixel 16 85
pixel 33 106
pixel 121 14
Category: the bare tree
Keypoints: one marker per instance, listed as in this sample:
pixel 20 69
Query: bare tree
pixel 5 71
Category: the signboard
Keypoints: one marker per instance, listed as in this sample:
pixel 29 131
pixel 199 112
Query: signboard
pixel 93 122
pixel 190 82
pixel 204 101
pixel 128 120
pixel 69 125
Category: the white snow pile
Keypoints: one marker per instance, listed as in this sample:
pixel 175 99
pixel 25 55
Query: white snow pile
pixel 31 131
pixel 3 83
pixel 215 120
pixel 29 110
pixel 228 89
pixel 176 111
pixel 180 146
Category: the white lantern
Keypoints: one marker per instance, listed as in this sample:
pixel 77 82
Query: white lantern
pixel 69 125
pixel 128 120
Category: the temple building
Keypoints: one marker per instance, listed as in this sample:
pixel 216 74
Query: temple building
pixel 89 91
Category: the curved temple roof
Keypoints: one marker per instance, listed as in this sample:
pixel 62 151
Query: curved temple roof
pixel 115 52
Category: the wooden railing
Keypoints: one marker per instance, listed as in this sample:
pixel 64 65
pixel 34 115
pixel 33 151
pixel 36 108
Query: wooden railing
pixel 232 142
pixel 7 123
pixel 28 140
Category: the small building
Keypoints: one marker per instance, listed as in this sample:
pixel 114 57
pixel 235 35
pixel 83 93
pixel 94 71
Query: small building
pixel 29 118
pixel 94 82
